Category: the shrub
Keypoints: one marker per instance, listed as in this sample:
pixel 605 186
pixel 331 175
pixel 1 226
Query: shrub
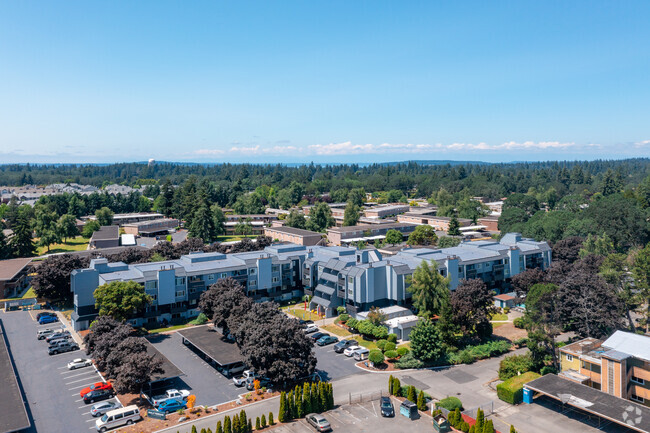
pixel 519 322
pixel 344 318
pixel 548 369
pixel 201 319
pixel 411 394
pixel 352 323
pixel 392 338
pixel 506 310
pixel 381 344
pixel 401 351
pixel 450 403
pixel 380 332
pixel 263 420
pixel 391 354
pixel 472 353
pixel 340 310
pixel 512 390
pixel 271 422
pixel 376 357
pixel 389 346
pixel 512 366
pixel 408 361
pixel 520 342
pixel 464 427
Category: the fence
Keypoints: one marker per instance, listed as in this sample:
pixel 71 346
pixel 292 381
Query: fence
pixel 362 397
pixel 487 408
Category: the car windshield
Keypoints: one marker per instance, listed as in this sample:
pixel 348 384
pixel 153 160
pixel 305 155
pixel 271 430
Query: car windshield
pixel 322 421
pixel 104 418
pixel 386 404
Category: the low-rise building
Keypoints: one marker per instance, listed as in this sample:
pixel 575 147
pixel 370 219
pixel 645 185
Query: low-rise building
pixel 105 237
pixel 14 276
pixel 619 365
pixel 368 232
pixel 490 222
pixel 152 227
pixel 121 219
pixel 386 211
pixel 255 223
pixel 399 320
pixel 441 223
pixel 294 235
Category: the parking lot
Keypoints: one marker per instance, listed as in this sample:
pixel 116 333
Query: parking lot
pixel 52 390
pixel 364 417
pixel 334 365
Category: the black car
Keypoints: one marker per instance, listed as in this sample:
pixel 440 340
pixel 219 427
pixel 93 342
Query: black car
pixel 387 408
pixel 100 394
pixel 344 344
pixel 317 335
pixel 305 322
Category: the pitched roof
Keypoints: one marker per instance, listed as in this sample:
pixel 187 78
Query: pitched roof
pixel 10 268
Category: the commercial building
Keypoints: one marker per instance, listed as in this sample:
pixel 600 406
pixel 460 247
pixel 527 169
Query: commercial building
pixel 152 227
pixel 386 211
pixel 359 279
pixel 105 237
pixel 619 365
pixel 293 235
pixel 490 222
pixel 255 223
pixel 176 285
pixel 369 232
pixel 120 219
pixel 14 276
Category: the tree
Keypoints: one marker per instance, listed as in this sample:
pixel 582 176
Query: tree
pixel 125 348
pixel 454 226
pixel 227 425
pixel 523 281
pixel 543 316
pixel 641 274
pixel 448 242
pixel 426 342
pixel 5 249
pixel 599 245
pixel 67 227
pixel 568 249
pixel 165 201
pixel 249 204
pixel 21 243
pixel 394 237
pixel 90 227
pixel 105 335
pixel 225 303
pixel 219 219
pixel 411 395
pixel 430 289
pixel 472 306
pixel 623 221
pixel 376 316
pixel 512 220
pixel 423 235
pixel 244 226
pixel 351 215
pixel 282 414
pixel 296 220
pixel 119 299
pixel 357 196
pixel 52 279
pixel 202 225
pixel 306 399
pixel 527 203
pixel 615 271
pixel 104 216
pixel 320 218
pixel 422 405
pixel 45 226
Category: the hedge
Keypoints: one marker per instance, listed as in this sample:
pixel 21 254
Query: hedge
pixel 512 390
pixel 450 403
pixel 481 351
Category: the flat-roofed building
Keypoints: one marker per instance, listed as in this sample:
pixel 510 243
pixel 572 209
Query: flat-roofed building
pixel 368 232
pixel 14 276
pixel 151 228
pixel 293 235
pixel 105 237
pixel 120 219
pixel 386 211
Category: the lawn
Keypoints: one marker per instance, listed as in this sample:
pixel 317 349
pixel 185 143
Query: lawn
pixel 77 244
pixel 337 330
pixel 298 311
pixel 168 328
pixel 234 238
pixel 498 317
pixel 29 294
pixel 496 325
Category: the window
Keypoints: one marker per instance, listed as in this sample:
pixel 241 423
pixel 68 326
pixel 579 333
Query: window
pixel 636 398
pixel 210 277
pixel 637 380
pixel 192 290
pixel 193 302
pixel 151 285
pixel 350 280
pixel 569 357
pixel 252 271
pixel 275 268
pixel 223 275
pixel 252 283
pixel 180 281
pixel 180 293
pixel 153 296
pixel 275 279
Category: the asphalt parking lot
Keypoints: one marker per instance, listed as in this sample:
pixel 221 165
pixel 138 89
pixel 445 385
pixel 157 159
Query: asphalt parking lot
pixel 364 417
pixel 334 365
pixel 51 389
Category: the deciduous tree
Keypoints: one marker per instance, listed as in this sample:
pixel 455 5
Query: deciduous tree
pixel 423 235
pixel 472 306
pixel 120 299
pixel 52 279
pixel 426 342
pixel 225 303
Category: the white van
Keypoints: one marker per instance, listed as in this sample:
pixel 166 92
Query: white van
pixel 118 417
pixel 361 354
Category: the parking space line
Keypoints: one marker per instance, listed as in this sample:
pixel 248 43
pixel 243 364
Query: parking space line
pixel 373 406
pixel 78 373
pixel 90 420
pixel 78 380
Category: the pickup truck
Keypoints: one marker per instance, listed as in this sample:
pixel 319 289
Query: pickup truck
pixel 170 394
pixel 241 380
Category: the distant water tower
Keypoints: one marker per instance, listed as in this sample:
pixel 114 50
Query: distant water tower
pixel 151 162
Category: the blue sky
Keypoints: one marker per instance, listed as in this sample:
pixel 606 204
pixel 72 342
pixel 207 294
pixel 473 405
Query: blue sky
pixel 333 81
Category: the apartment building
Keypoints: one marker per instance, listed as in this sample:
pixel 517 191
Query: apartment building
pixel 368 232
pixel 176 285
pixel 619 365
pixel 359 279
pixel 293 235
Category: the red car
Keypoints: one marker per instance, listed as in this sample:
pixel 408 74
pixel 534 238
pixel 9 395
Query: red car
pixel 96 387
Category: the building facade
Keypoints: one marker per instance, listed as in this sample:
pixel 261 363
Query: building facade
pixel 293 235
pixel 345 235
pixel 619 366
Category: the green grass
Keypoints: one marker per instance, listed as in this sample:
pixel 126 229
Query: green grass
pixel 499 317
pixel 337 330
pixel 77 244
pixel 169 328
pixel 298 311
pixel 234 238
pixel 496 325
pixel 29 294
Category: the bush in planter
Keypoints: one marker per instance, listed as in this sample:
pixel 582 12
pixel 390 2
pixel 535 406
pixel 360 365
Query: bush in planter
pixel 391 354
pixel 365 327
pixel 392 338
pixel 376 357
pixel 380 332
pixel 401 351
pixel 389 346
pixel 450 403
pixel 352 323
pixel 340 310
pixel 381 344
pixel 408 361
pixel 344 318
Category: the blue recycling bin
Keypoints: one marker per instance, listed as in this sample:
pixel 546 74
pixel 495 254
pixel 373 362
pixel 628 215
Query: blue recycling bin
pixel 528 396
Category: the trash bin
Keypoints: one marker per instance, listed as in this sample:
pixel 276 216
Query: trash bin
pixel 409 409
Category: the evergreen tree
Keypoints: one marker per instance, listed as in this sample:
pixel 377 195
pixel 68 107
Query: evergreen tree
pixel 315 404
pixel 67 227
pixel 299 406
pixel 219 428
pixel 430 289
pixel 488 427
pixel 397 387
pixel 306 399
pixel 324 400
pixel 291 407
pixel 422 405
pixel 165 204
pixel 5 250
pixel 331 395
pixel 480 419
pixel 283 403
pixel 202 225
pixel 21 243
pixel 351 215
pixel 258 426
pixel 454 226
pixel 76 206
pixel 512 429
pixel 411 394
pixel 235 424
pixel 263 421
pixel 390 385
pixel 249 426
pixel 193 429
pixel 243 419
pixel 271 422
pixel 227 425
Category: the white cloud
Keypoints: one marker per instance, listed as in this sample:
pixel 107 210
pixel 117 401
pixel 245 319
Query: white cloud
pixel 642 143
pixel 348 148
pixel 209 152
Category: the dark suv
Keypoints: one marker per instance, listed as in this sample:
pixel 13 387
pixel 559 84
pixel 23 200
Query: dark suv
pixel 100 394
pixel 344 344
pixel 64 346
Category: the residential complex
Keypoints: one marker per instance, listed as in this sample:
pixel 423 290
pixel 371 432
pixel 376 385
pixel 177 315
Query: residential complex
pixel 14 276
pixel 121 219
pixel 370 232
pixel 619 365
pixel 294 235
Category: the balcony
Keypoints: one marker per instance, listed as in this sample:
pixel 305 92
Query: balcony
pixel 309 291
pixel 340 293
pixel 180 309
pixel 351 309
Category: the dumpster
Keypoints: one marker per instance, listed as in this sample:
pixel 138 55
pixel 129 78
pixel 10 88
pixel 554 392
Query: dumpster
pixel 440 424
pixel 409 409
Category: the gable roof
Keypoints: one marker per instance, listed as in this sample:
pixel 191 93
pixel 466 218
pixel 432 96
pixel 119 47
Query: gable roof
pixel 10 268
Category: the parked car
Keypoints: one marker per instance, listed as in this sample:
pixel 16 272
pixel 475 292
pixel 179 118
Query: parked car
pixel 387 409
pixel 57 335
pixel 241 380
pixel 96 387
pixel 310 328
pixel 170 394
pixel 44 333
pixel 64 346
pixel 317 335
pixel 117 418
pixel 327 339
pixel 79 363
pixel 361 354
pixel 250 384
pixel 58 342
pixel 350 350
pixel 97 395
pixel 305 322
pixel 168 406
pixel 99 409
pixel 319 422
pixel 45 313
pixel 47 319
pixel 344 344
